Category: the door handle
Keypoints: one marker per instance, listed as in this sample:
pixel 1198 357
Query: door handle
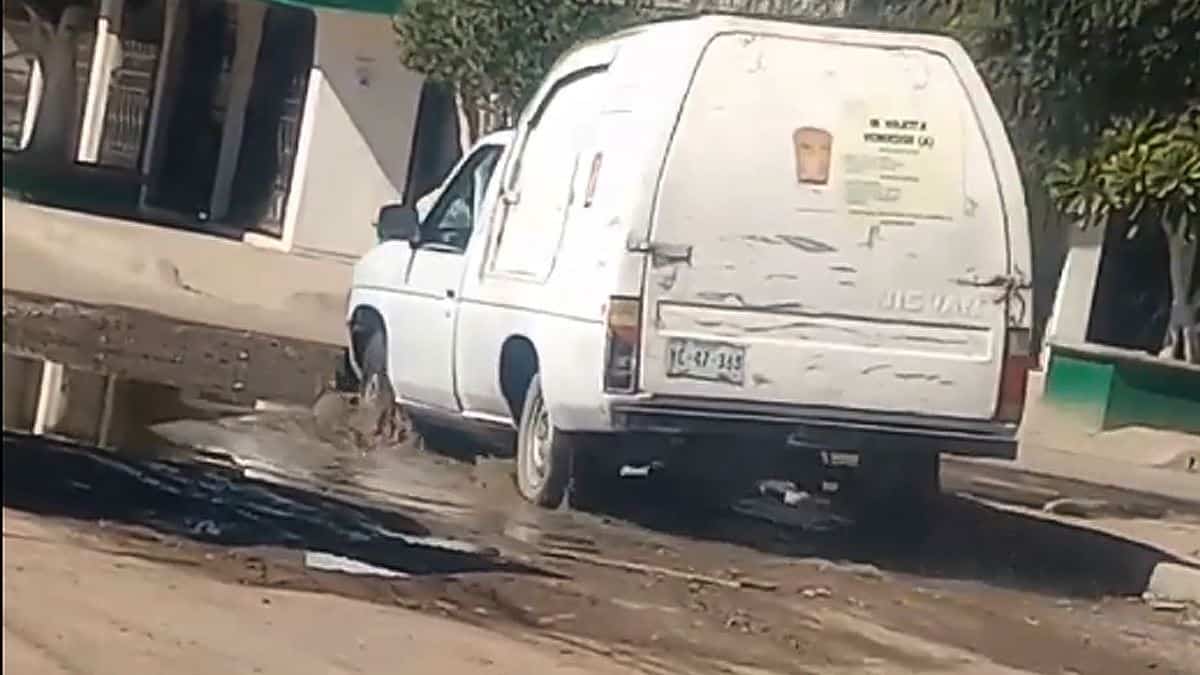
pixel 450 293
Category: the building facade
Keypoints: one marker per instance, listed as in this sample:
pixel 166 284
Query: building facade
pixel 285 124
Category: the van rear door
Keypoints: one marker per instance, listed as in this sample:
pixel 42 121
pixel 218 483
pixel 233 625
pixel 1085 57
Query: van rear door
pixel 828 231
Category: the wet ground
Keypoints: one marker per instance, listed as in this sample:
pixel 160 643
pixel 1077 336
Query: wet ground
pixel 211 360
pixel 652 582
pixel 655 580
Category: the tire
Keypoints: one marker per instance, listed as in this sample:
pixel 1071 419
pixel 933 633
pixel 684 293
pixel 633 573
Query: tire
pixel 543 452
pixel 375 384
pixel 377 398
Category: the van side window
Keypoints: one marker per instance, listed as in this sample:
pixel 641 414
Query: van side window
pixel 532 229
pixel 452 218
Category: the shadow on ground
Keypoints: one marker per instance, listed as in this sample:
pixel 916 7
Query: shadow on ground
pixel 965 539
pixel 218 506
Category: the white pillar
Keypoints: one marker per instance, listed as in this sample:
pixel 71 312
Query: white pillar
pixel 50 402
pixel 1072 310
pixel 109 399
pixel 106 57
pixel 33 101
pixel 249 35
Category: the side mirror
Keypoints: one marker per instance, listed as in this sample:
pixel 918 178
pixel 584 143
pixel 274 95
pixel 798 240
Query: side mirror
pixel 397 222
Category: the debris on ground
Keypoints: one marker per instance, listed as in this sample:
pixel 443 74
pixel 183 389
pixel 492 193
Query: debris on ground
pixel 655 570
pixel 1100 508
pixel 814 514
pixel 786 491
pixel 330 562
pixel 1167 606
pixel 1012 493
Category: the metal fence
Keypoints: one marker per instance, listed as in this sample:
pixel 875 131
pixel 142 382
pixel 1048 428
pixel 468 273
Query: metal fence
pixel 128 110
pixel 18 72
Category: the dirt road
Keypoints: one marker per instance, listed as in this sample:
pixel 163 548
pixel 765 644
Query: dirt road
pixel 188 554
pixel 153 563
pixel 83 600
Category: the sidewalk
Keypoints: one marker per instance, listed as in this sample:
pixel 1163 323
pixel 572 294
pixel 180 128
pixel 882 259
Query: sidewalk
pixel 1146 460
pixel 183 275
pixel 1057 463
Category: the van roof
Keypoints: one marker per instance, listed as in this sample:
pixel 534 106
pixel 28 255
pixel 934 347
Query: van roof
pixel 701 27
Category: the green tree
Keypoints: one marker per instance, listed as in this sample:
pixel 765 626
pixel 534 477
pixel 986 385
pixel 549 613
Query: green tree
pixel 1100 96
pixel 1102 99
pixel 1146 172
pixel 1113 88
pixel 495 53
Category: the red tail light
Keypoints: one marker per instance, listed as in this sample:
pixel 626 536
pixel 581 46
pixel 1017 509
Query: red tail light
pixel 1018 361
pixel 624 327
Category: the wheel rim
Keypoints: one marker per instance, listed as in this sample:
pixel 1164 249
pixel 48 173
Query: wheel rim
pixel 537 446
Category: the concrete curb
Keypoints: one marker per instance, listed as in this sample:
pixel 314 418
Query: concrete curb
pixel 1175 579
pixel 1175 583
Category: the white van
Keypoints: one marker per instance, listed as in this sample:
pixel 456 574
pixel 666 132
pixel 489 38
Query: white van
pixel 809 237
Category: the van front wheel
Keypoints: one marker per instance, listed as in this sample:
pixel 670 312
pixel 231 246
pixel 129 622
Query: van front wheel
pixel 543 452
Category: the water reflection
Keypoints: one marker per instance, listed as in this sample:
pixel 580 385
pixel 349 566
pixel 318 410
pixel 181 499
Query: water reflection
pixel 49 399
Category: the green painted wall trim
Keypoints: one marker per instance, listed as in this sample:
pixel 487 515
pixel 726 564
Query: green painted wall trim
pixel 1079 388
pixel 364 6
pixel 1105 389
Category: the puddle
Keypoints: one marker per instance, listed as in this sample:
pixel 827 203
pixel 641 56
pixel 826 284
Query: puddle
pixel 221 473
pixel 217 505
pixel 205 469
pixel 49 399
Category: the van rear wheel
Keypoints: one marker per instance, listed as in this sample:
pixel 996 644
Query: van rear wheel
pixel 543 452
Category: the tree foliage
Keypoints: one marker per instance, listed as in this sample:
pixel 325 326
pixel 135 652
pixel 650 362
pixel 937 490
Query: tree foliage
pixel 1068 68
pixel 494 53
pixel 1146 169
pixel 1100 96
pixel 1115 88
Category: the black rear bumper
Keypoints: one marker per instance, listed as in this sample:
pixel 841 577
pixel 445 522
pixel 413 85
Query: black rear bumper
pixel 832 429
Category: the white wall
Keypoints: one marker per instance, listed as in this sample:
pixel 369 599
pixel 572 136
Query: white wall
pixel 355 138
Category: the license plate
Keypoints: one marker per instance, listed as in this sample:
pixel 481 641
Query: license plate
pixel 701 360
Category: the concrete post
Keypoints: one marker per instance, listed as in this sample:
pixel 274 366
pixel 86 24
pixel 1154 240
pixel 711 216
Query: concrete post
pixel 22 379
pixel 249 36
pixel 1072 311
pixel 71 403
pixel 106 57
